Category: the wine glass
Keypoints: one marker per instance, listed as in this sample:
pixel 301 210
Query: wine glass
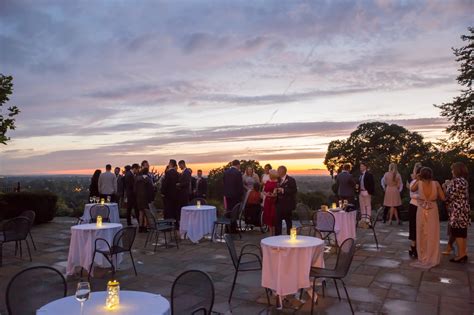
pixel 82 293
pixel 108 199
pixel 91 199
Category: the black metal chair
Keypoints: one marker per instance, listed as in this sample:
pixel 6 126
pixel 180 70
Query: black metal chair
pixel 227 221
pixel 15 230
pixel 324 222
pixel 371 221
pixel 102 210
pixel 304 217
pixel 192 293
pixel 122 242
pixel 31 215
pixel 343 263
pixel 34 287
pixel 156 226
pixel 194 201
pixel 240 266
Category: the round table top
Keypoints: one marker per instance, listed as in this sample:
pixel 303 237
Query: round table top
pixel 131 302
pixel 284 241
pixel 93 226
pixel 202 207
pixel 105 204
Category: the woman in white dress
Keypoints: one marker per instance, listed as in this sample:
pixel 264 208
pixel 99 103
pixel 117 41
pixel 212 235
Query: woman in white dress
pixel 266 174
pixel 427 219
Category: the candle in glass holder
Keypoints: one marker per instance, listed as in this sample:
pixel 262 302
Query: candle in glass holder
pixel 102 201
pixel 324 207
pixel 113 294
pixel 333 206
pixel 99 221
pixel 293 234
pixel 198 204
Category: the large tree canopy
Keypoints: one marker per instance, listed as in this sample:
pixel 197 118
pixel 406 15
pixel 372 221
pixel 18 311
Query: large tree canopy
pixel 7 120
pixel 460 111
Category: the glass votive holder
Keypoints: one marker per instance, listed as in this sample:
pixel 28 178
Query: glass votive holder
pixel 113 294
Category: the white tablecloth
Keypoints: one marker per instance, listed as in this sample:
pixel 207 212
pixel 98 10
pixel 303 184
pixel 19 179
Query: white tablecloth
pixel 287 263
pixel 197 222
pixel 114 212
pixel 345 226
pixel 81 247
pixel 131 303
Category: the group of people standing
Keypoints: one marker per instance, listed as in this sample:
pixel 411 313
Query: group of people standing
pixel 276 190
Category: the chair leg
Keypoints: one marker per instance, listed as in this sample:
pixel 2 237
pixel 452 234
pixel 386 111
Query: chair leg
pixel 233 284
pixel 148 237
pixel 21 249
pixel 376 240
pixel 268 297
pixel 28 248
pixel 91 267
pixel 1 254
pixel 32 241
pixel 347 295
pixel 133 263
pixel 313 296
pixel 156 240
pixel 213 232
pixel 324 288
pixel 176 238
pixel 166 240
pixel 337 289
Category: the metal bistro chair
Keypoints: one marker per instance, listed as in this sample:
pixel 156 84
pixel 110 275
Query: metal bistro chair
pixel 343 263
pixel 102 210
pixel 227 221
pixel 324 222
pixel 194 201
pixel 156 226
pixel 240 266
pixel 33 287
pixel 304 217
pixel 31 215
pixel 15 230
pixel 192 293
pixel 122 242
pixel 371 221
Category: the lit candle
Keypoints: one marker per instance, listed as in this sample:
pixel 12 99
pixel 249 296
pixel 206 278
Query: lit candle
pixel 99 221
pixel 102 201
pixel 113 294
pixel 334 206
pixel 198 204
pixel 293 234
pixel 324 207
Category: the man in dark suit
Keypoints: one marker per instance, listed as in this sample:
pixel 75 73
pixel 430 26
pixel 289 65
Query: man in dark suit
pixel 200 190
pixel 129 190
pixel 346 184
pixel 286 200
pixel 366 190
pixel 233 189
pixel 169 191
pixel 184 186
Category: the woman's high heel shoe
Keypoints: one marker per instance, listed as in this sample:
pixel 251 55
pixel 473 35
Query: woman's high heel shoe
pixel 412 252
pixel 460 260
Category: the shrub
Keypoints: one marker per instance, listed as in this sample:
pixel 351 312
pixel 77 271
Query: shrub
pixel 43 203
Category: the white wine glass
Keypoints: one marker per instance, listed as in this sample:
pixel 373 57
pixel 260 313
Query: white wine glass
pixel 82 293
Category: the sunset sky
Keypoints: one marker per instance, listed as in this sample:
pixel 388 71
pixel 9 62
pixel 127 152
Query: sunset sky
pixel 209 81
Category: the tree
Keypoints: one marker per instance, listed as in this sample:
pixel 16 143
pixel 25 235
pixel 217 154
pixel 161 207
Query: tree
pixel 460 111
pixel 7 121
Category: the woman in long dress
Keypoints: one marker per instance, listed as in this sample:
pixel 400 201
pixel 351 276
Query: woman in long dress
pixel 392 200
pixel 427 219
pixel 269 205
pixel 266 173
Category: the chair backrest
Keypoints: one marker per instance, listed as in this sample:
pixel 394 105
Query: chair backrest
pixel 229 241
pixel 234 214
pixel 344 257
pixel 195 200
pixel 377 217
pixel 125 238
pixel 325 221
pixel 150 218
pixel 102 210
pixel 32 288
pixel 16 229
pixel 192 293
pixel 303 213
pixel 30 214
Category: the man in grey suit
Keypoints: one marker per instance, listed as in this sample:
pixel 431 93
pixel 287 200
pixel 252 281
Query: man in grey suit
pixel 346 184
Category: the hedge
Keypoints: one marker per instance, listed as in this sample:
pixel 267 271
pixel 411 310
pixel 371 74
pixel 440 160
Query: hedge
pixel 43 203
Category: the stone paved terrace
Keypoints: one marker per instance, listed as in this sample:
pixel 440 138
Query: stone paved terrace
pixel 380 282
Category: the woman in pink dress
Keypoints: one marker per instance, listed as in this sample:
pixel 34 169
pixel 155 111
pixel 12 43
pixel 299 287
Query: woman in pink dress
pixel 269 207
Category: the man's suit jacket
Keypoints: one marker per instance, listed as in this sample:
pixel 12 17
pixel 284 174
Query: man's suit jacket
pixel 233 185
pixel 369 183
pixel 129 184
pixel 201 187
pixel 346 184
pixel 287 199
pixel 168 186
pixel 184 186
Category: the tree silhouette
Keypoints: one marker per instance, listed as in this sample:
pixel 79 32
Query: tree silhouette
pixel 7 121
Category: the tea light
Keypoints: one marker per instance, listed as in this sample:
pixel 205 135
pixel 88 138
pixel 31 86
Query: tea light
pixel 333 206
pixel 99 221
pixel 198 204
pixel 293 234
pixel 113 294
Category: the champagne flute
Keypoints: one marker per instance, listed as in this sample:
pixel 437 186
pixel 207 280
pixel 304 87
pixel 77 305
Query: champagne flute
pixel 82 293
pixel 91 199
